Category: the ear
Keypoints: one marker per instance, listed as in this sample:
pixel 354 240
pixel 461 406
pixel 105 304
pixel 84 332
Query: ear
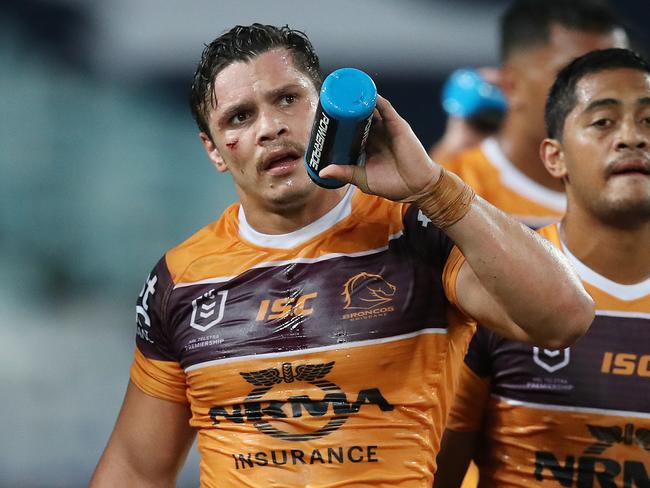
pixel 508 84
pixel 552 154
pixel 213 152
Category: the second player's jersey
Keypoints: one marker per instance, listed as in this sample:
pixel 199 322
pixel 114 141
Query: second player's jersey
pixel 577 417
pixel 322 358
pixel 486 169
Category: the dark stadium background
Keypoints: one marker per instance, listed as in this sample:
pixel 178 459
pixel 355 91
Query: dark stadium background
pixel 101 171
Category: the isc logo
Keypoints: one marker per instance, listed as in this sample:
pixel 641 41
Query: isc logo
pixel 625 364
pixel 283 307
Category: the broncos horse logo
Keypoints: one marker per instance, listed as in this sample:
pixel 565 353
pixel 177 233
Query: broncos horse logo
pixel 366 291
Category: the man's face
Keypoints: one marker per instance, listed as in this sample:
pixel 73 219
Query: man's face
pixel 606 146
pixel 260 127
pixel 533 70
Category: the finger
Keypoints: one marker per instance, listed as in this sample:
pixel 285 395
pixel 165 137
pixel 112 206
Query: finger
pixel 346 173
pixel 377 120
pixel 388 114
pixel 374 144
pixel 376 116
pixel 340 172
pixel 377 135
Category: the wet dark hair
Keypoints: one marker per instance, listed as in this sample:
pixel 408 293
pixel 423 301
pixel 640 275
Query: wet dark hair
pixel 562 96
pixel 527 23
pixel 243 43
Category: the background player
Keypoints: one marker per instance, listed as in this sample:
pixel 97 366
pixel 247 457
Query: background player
pixel 538 37
pixel 578 416
pixel 313 336
pixel 475 108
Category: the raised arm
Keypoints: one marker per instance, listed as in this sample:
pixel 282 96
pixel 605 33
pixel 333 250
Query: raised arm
pixel 512 281
pixel 518 284
pixel 148 445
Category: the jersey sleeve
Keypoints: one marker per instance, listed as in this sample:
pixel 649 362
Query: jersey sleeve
pixel 429 242
pixel 450 276
pixel 436 249
pixel 473 390
pixel 155 369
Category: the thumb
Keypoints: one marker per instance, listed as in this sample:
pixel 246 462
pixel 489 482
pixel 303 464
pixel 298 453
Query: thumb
pixel 347 173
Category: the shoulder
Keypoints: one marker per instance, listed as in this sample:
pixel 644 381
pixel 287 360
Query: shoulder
pixel 212 240
pixel 552 234
pixel 473 158
pixel 375 208
pixel 474 167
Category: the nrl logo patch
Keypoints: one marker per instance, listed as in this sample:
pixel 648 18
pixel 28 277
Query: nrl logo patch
pixel 206 312
pixel 551 360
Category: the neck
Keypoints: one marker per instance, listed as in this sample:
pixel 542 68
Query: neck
pixel 283 219
pixel 522 150
pixel 621 255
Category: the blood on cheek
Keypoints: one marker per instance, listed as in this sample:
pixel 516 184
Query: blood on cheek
pixel 232 144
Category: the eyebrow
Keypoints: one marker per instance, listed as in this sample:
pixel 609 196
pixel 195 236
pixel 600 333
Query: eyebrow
pixel 604 102
pixel 229 112
pixel 284 90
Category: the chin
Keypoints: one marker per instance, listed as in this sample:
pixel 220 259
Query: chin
pixel 293 191
pixel 626 212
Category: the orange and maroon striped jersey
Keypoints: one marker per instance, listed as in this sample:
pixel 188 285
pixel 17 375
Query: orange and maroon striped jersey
pixel 574 417
pixel 486 169
pixel 325 357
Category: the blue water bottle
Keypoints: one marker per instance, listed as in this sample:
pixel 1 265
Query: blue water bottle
pixel 467 95
pixel 342 123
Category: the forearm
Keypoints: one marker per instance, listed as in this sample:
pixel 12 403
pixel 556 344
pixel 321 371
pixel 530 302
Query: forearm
pixel 527 276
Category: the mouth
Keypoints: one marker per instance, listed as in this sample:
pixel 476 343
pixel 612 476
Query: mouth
pixel 632 166
pixel 281 161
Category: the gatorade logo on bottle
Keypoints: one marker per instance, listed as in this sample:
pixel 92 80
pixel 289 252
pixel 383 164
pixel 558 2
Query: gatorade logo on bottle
pixel 342 123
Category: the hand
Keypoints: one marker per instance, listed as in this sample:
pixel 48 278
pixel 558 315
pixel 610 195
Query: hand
pixel 397 166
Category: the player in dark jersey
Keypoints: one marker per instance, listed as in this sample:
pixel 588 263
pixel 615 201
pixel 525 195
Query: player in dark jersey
pixel 577 416
pixel 537 39
pixel 313 337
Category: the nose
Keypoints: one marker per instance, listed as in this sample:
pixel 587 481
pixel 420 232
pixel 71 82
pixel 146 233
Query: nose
pixel 632 136
pixel 270 126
